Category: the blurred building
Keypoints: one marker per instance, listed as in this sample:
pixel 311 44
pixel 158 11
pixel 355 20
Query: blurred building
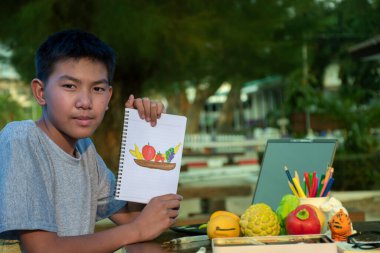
pixel 258 99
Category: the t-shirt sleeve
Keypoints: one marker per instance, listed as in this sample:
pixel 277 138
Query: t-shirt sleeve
pixel 25 203
pixel 107 204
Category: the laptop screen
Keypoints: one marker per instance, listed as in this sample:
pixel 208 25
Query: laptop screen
pixel 301 155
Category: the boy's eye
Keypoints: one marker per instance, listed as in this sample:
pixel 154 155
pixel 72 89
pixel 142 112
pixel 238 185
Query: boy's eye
pixel 99 89
pixel 69 86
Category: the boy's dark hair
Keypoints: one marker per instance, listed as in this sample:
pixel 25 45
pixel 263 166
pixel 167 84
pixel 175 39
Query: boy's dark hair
pixel 75 44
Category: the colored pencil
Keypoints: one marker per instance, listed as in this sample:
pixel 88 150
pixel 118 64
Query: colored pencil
pixel 328 187
pixel 331 171
pixel 314 182
pixel 290 178
pixel 296 175
pixel 306 177
pixel 293 189
pixel 301 194
pixel 288 173
pixel 310 179
pixel 315 186
pixel 328 175
pixel 304 186
pixel 320 184
pixel 325 182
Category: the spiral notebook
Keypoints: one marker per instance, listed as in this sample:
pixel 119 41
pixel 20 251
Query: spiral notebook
pixel 150 157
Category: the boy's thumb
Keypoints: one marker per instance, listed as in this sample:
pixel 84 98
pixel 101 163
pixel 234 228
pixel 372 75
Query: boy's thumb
pixel 129 103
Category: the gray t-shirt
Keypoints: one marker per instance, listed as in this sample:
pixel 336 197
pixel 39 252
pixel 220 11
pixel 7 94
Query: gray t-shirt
pixel 44 188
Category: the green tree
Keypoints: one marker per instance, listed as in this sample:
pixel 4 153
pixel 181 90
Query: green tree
pixel 163 45
pixel 328 29
pixel 10 110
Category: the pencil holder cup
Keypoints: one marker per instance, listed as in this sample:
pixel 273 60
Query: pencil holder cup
pixel 317 202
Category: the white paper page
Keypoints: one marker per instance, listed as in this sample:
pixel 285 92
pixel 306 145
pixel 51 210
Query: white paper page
pixel 138 183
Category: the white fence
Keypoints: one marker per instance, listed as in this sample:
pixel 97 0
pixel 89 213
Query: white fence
pixel 222 143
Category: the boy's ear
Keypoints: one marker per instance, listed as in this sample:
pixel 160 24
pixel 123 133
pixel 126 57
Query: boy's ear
pixel 38 89
pixel 110 92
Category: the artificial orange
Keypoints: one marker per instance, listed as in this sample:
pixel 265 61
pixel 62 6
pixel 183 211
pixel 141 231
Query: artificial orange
pixel 223 226
pixel 221 212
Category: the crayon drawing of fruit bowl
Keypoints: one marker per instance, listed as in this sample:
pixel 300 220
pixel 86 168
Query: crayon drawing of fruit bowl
pixel 149 158
pixel 155 165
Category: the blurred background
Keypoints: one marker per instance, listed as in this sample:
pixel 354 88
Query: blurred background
pixel 242 71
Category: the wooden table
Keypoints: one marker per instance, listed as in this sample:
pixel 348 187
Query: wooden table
pixel 155 246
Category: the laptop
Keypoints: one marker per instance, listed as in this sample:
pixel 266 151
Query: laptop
pixel 303 155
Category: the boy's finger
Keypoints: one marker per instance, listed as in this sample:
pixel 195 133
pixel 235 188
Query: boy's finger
pixel 129 103
pixel 153 114
pixel 140 107
pixel 173 213
pixel 160 109
pixel 171 196
pixel 173 204
pixel 146 105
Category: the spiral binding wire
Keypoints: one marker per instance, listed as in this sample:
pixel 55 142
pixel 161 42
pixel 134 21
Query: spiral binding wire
pixel 122 153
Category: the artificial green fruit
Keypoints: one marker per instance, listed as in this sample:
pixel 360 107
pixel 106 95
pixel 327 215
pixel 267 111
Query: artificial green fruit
pixel 287 204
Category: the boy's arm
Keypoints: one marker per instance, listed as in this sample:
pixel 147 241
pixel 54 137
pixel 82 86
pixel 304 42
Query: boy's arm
pixel 128 213
pixel 156 217
pixel 105 241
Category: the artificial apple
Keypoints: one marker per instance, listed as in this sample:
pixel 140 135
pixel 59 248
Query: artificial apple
pixel 303 220
pixel 320 215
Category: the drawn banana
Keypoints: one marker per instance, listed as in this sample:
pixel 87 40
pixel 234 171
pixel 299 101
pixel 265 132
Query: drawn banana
pixel 177 147
pixel 136 153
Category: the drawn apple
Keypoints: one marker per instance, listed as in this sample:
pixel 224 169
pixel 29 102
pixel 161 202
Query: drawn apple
pixel 148 152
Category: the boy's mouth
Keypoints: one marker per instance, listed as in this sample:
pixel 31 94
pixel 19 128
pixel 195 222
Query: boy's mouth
pixel 84 120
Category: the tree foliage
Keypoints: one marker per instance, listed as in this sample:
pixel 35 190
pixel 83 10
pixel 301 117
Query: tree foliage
pixel 163 47
pixel 10 110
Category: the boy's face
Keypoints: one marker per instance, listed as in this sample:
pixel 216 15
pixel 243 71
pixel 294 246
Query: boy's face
pixel 76 97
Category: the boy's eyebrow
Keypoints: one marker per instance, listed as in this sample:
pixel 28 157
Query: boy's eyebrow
pixel 67 77
pixel 71 78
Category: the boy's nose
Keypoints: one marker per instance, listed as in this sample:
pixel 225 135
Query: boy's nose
pixel 84 101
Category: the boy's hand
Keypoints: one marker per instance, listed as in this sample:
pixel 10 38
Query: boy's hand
pixel 148 110
pixel 158 215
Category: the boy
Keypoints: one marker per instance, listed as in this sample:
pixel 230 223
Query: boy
pixel 53 184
